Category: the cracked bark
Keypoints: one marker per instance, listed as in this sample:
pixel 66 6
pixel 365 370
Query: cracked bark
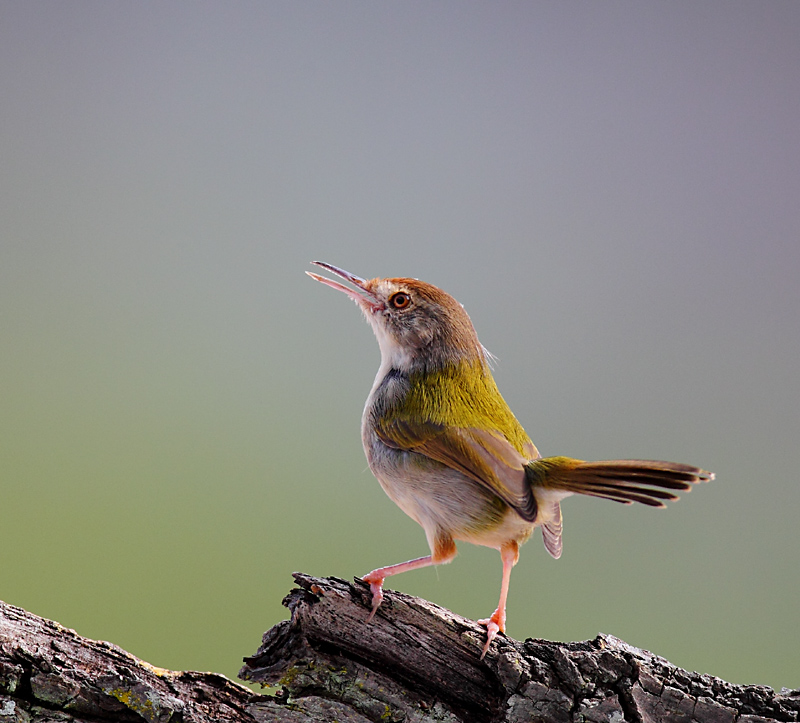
pixel 415 662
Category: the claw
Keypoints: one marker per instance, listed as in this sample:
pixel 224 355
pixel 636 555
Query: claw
pixel 492 628
pixel 495 624
pixel 376 587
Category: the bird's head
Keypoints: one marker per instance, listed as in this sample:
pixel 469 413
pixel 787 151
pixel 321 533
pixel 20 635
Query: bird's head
pixel 418 326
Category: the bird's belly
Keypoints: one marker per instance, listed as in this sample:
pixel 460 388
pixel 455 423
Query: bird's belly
pixel 440 498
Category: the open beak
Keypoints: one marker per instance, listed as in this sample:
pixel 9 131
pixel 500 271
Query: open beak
pixel 363 297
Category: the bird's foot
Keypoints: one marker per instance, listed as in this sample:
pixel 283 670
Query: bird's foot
pixel 495 624
pixel 376 577
pixel 375 580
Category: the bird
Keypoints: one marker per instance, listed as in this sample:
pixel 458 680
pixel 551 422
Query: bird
pixel 447 449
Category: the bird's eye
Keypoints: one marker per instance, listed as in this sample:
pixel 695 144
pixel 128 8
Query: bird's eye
pixel 400 300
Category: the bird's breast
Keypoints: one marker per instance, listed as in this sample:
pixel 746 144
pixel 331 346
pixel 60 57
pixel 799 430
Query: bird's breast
pixel 440 498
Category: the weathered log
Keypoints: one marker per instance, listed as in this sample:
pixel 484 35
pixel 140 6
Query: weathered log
pixel 50 673
pixel 415 662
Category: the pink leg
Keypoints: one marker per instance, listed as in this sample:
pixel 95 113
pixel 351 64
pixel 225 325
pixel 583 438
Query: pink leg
pixel 376 578
pixel 497 623
pixel 443 550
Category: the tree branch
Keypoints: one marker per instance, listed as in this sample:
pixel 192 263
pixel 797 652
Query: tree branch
pixel 415 662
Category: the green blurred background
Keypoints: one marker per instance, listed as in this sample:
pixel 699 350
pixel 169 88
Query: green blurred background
pixel 611 189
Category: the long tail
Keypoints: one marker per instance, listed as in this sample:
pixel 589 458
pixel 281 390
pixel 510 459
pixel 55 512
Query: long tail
pixel 622 480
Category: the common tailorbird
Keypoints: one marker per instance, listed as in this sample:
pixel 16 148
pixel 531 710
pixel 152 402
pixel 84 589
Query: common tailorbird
pixel 448 451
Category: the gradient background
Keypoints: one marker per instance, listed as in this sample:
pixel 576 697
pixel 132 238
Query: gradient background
pixel 611 189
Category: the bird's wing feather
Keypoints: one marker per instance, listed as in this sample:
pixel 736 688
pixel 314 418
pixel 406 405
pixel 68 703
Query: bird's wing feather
pixel 485 457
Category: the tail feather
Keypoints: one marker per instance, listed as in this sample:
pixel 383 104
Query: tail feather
pixel 625 493
pixel 552 529
pixel 664 474
pixel 625 481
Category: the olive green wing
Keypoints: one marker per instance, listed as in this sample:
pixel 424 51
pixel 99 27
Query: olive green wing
pixel 486 457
